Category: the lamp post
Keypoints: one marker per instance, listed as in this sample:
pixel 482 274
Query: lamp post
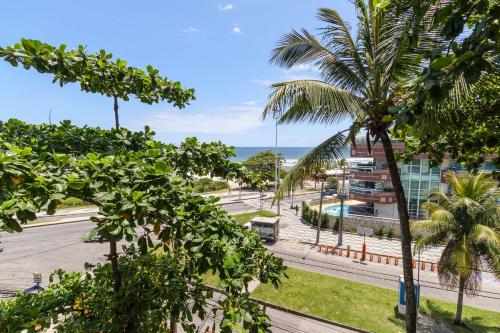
pixel 277 173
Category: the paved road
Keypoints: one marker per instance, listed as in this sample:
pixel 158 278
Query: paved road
pixel 43 249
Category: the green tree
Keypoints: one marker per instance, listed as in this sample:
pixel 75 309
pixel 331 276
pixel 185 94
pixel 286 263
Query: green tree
pixel 343 165
pixel 469 134
pixel 97 73
pixel 469 44
pixel 362 79
pixel 467 225
pixel 263 165
pixel 333 182
pixel 144 191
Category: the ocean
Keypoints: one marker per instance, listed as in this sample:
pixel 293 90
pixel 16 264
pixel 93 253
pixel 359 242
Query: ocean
pixel 291 154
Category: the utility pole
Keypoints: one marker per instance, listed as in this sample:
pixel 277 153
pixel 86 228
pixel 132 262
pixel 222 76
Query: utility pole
pixel 277 173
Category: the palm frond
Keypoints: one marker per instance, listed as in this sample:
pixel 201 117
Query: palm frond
pixel 338 38
pixel 484 234
pixel 323 156
pixel 299 48
pixel 312 101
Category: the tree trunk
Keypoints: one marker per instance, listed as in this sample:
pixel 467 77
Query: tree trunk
pixel 117 118
pixel 173 326
pixel 404 223
pixel 460 302
pixel 341 218
pixel 113 257
pixel 320 208
pixel 113 253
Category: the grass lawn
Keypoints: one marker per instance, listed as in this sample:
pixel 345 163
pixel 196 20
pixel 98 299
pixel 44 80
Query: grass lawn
pixel 247 217
pixel 361 305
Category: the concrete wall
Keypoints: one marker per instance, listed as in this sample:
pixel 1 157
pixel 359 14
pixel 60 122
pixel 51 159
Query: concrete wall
pixel 386 210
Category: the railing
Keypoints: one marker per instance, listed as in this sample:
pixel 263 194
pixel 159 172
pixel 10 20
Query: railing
pixel 375 175
pixel 373 196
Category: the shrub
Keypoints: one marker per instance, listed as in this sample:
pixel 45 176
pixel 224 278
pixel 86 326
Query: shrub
pixel 332 182
pixel 208 185
pixel 379 231
pixel 324 220
pixel 390 233
pixel 336 225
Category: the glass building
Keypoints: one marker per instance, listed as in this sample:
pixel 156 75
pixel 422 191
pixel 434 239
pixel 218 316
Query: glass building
pixel 419 180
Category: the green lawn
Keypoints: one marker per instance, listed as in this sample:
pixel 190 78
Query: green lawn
pixel 361 305
pixel 247 217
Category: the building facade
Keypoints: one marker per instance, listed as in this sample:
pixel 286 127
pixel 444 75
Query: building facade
pixel 371 182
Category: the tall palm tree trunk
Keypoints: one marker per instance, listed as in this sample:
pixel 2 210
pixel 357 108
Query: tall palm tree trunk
pixel 460 302
pixel 341 220
pixel 320 210
pixel 404 223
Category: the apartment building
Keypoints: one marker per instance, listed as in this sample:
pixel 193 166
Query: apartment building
pixel 371 182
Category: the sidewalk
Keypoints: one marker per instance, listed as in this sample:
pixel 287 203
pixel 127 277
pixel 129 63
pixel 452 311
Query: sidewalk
pixel 293 229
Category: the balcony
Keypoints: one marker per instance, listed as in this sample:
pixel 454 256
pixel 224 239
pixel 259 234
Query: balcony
pixel 377 150
pixel 381 175
pixel 372 196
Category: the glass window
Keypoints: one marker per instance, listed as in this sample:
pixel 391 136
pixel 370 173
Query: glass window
pixel 414 185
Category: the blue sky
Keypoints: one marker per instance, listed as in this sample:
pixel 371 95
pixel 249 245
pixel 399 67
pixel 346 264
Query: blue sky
pixel 219 48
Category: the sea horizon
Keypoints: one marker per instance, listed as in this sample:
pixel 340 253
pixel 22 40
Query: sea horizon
pixel 290 154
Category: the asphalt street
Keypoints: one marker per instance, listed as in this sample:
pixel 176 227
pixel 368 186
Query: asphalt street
pixel 44 249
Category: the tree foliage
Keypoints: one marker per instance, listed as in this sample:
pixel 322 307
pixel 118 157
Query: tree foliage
pixel 470 33
pixel 144 197
pixel 469 134
pixel 97 73
pixel 263 165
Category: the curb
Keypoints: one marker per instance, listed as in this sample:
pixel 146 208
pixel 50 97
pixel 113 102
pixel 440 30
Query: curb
pixel 48 224
pixel 294 312
pixel 305 315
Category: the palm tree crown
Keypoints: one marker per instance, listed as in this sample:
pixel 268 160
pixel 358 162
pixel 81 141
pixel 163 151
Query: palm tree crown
pixel 467 224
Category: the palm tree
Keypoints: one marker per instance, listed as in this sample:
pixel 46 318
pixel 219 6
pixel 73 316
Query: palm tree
pixel 361 79
pixel 344 166
pixel 321 176
pixel 466 223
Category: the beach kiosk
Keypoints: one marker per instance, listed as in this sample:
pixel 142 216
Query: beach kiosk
pixel 402 295
pixel 266 227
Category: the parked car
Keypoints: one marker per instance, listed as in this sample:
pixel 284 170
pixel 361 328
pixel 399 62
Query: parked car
pixel 329 192
pixel 2 245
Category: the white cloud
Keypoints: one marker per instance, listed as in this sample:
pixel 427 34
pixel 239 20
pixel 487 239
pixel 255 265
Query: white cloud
pixel 299 72
pixel 238 119
pixel 250 103
pixel 237 29
pixel 227 7
pixel 190 30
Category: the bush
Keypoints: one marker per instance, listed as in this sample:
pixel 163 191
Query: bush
pixel 336 225
pixel 208 185
pixel 332 182
pixel 390 233
pixel 324 220
pixel 379 232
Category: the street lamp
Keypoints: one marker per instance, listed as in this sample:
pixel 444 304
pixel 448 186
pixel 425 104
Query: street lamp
pixel 277 173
